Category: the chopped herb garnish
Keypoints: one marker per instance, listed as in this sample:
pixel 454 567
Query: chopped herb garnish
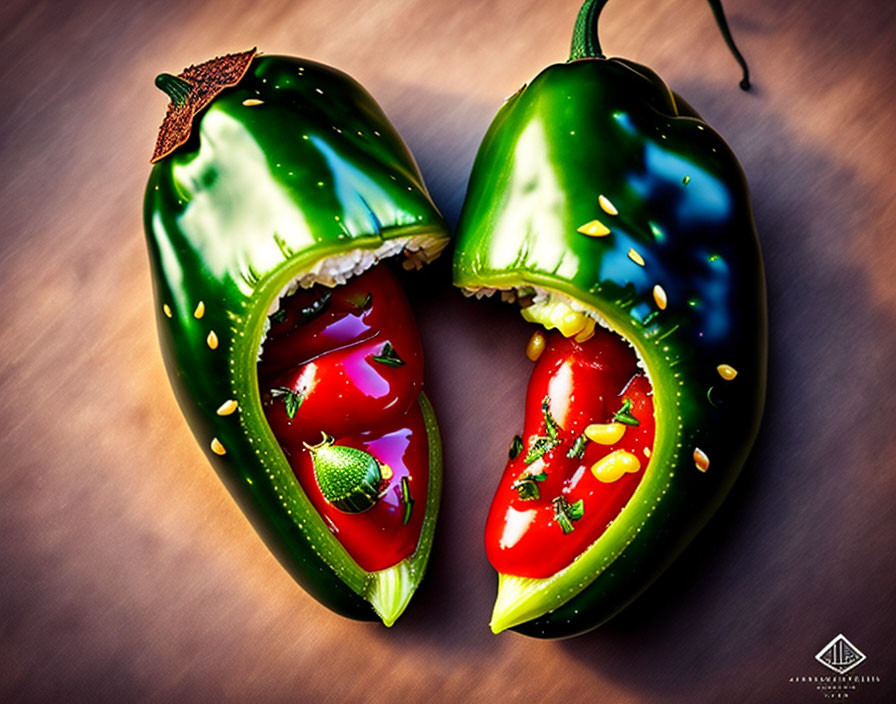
pixel 578 447
pixel 539 447
pixel 388 356
pixel 566 513
pixel 363 303
pixel 291 399
pixel 516 447
pixel 549 423
pixel 408 501
pixel 540 444
pixel 279 316
pixel 315 308
pixel 623 415
pixel 527 485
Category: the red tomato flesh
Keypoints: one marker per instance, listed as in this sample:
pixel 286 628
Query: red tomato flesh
pixel 348 362
pixel 584 383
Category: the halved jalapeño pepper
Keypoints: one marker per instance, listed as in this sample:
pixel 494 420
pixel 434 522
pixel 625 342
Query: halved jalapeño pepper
pixel 621 223
pixel 278 187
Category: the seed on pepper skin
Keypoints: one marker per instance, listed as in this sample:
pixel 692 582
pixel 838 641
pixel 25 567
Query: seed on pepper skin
pixel 252 102
pixel 636 257
pixel 647 452
pixel 386 472
pixel 726 371
pixel 605 433
pixel 228 407
pixel 607 206
pixel 701 459
pixel 217 447
pixel 166 309
pixel 595 228
pixel 200 310
pixel 212 340
pixel 659 295
pixel 611 468
pixel 535 346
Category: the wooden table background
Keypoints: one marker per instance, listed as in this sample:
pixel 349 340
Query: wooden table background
pixel 128 574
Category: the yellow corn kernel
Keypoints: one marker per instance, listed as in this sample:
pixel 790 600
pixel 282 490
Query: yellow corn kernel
pixel 659 295
pixel 605 433
pixel 588 331
pixel 200 310
pixel 535 346
pixel 726 371
pixel 572 323
pixel 226 408
pixel 217 447
pixel 701 459
pixel 212 340
pixel 607 206
pixel 595 228
pixel 611 468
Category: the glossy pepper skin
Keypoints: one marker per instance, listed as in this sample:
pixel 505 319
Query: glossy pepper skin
pixel 679 218
pixel 294 163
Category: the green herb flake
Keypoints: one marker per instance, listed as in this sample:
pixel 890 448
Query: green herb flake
pixel 549 423
pixel 578 447
pixel 565 513
pixel 527 485
pixel 291 399
pixel 624 416
pixel 408 501
pixel 315 308
pixel 516 447
pixel 540 446
pixel 388 356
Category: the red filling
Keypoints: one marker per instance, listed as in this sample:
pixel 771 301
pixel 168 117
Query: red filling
pixel 348 362
pixel 536 525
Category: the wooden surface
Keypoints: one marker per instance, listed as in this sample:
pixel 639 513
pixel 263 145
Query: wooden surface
pixel 128 574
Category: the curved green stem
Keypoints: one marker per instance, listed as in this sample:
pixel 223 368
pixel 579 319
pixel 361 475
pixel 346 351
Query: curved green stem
pixel 586 43
pixel 177 88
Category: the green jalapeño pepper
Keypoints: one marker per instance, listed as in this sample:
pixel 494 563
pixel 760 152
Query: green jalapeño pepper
pixel 621 222
pixel 277 188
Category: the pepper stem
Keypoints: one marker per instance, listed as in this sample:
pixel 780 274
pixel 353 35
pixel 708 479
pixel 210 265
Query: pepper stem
pixel 586 43
pixel 177 88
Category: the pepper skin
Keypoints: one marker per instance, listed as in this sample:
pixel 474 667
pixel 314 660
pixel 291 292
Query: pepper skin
pixel 291 164
pixel 599 187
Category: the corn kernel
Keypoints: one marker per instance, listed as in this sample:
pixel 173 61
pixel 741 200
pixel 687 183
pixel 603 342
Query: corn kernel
pixel 572 323
pixel 605 433
pixel 611 468
pixel 535 346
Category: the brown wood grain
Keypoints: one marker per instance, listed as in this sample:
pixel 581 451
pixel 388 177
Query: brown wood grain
pixel 128 574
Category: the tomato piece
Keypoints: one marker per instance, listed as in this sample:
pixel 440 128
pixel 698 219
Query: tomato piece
pixel 317 320
pixel 348 362
pixel 559 494
pixel 347 390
